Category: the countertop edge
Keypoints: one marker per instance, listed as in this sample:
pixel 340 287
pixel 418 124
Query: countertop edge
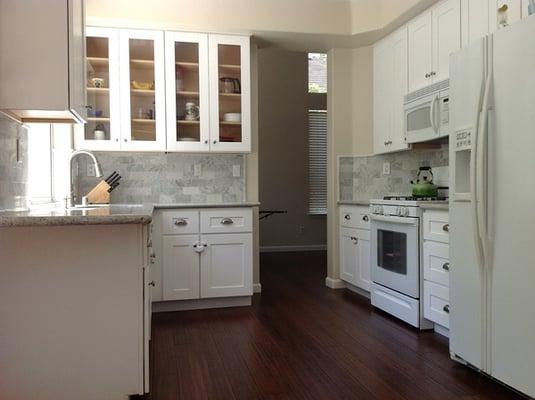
pixel 430 206
pixel 353 202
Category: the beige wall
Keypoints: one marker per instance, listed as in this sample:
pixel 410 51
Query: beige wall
pixel 350 101
pixel 283 166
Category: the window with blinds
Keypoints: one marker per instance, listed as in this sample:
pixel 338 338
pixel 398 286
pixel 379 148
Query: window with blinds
pixel 317 161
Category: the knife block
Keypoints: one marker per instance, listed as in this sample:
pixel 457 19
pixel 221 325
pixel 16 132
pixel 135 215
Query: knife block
pixel 99 194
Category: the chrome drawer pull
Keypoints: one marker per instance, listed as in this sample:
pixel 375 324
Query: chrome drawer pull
pixel 446 308
pixel 446 228
pixel 152 283
pixel 354 239
pixel 446 266
pixel 181 222
pixel 227 221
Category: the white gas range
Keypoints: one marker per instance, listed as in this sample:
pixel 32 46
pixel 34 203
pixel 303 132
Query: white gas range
pixel 395 257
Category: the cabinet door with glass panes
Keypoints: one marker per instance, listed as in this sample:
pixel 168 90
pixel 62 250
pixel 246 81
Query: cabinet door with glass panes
pixel 102 131
pixel 230 93
pixel 187 88
pixel 142 83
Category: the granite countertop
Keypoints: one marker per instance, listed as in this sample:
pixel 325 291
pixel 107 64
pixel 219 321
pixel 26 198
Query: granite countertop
pixel 99 215
pixel 354 202
pixel 434 205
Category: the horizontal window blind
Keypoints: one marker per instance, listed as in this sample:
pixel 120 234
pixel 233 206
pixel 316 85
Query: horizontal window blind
pixel 317 161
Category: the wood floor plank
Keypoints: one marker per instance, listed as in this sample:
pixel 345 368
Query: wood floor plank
pixel 301 340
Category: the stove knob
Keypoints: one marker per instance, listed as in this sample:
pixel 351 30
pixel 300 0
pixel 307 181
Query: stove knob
pixel 381 210
pixel 405 212
pixel 399 210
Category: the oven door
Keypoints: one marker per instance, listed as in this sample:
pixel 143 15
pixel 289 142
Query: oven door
pixel 395 261
pixel 421 119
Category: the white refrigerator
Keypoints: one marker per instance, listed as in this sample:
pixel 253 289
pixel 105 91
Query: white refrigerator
pixel 492 205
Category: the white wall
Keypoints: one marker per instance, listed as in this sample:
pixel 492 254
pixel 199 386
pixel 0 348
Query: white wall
pixel 284 102
pixel 350 100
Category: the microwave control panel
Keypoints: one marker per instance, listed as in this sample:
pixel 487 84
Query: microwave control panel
pixel 444 111
pixel 463 139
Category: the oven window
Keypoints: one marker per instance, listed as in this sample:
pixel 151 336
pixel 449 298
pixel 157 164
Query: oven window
pixel 418 119
pixel 392 251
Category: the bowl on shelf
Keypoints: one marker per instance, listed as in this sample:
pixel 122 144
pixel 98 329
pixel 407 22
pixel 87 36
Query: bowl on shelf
pixel 142 85
pixel 94 113
pixel 232 117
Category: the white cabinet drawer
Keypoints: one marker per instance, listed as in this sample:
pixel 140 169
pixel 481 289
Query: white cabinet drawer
pixel 436 226
pixel 437 303
pixel 355 217
pixel 227 220
pixel 182 222
pixel 436 263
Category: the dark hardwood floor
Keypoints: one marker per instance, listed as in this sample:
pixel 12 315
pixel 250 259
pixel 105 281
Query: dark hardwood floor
pixel 301 340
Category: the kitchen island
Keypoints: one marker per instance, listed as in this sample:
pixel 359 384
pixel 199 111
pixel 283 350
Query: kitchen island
pixel 74 303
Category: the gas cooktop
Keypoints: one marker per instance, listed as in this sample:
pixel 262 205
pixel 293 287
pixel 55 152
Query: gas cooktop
pixel 413 198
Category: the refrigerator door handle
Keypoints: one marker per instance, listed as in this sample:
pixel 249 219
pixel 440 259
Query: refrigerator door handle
pixel 474 171
pixel 481 179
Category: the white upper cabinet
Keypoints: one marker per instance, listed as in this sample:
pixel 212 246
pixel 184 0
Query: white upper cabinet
pixel 102 130
pixel 142 81
pixel 446 36
pixel 433 36
pixel 167 91
pixel 230 93
pixel 481 17
pixel 187 91
pixel 42 60
pixel 390 85
pixel 475 20
pixel 420 51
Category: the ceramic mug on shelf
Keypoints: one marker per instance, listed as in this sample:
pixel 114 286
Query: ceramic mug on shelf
pixel 99 133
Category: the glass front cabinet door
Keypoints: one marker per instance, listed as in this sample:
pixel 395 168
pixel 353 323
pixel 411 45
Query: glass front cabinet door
pixel 187 89
pixel 142 83
pixel 230 93
pixel 102 131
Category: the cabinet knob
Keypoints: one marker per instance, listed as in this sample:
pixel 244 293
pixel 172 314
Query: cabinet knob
pixel 126 140
pixel 227 221
pixel 347 217
pixel 181 222
pixel 354 239
pixel 446 266
pixel 117 139
pixel 215 142
pixel 428 75
pixel 365 218
pixel 446 308
pixel 89 107
pixel 446 228
pixel 152 283
pixel 206 142
pixel 433 73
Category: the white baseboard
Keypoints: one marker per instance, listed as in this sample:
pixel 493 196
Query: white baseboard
pixel 257 288
pixel 334 283
pixel 201 304
pixel 280 249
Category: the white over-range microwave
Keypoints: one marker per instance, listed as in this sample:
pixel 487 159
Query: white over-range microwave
pixel 427 113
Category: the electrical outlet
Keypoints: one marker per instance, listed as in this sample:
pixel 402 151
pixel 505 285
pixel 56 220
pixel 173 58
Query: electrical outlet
pixel 91 170
pixel 236 171
pixel 197 170
pixel 386 168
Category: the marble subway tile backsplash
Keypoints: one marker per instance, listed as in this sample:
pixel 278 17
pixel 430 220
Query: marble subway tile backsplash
pixel 169 178
pixel 361 178
pixel 13 165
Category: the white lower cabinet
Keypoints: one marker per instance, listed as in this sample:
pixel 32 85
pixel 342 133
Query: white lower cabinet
pixel 198 264
pixel 226 265
pixel 436 267
pixel 180 267
pixel 354 250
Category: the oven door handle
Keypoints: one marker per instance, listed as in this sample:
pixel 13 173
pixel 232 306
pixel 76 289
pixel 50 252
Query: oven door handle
pixel 395 220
